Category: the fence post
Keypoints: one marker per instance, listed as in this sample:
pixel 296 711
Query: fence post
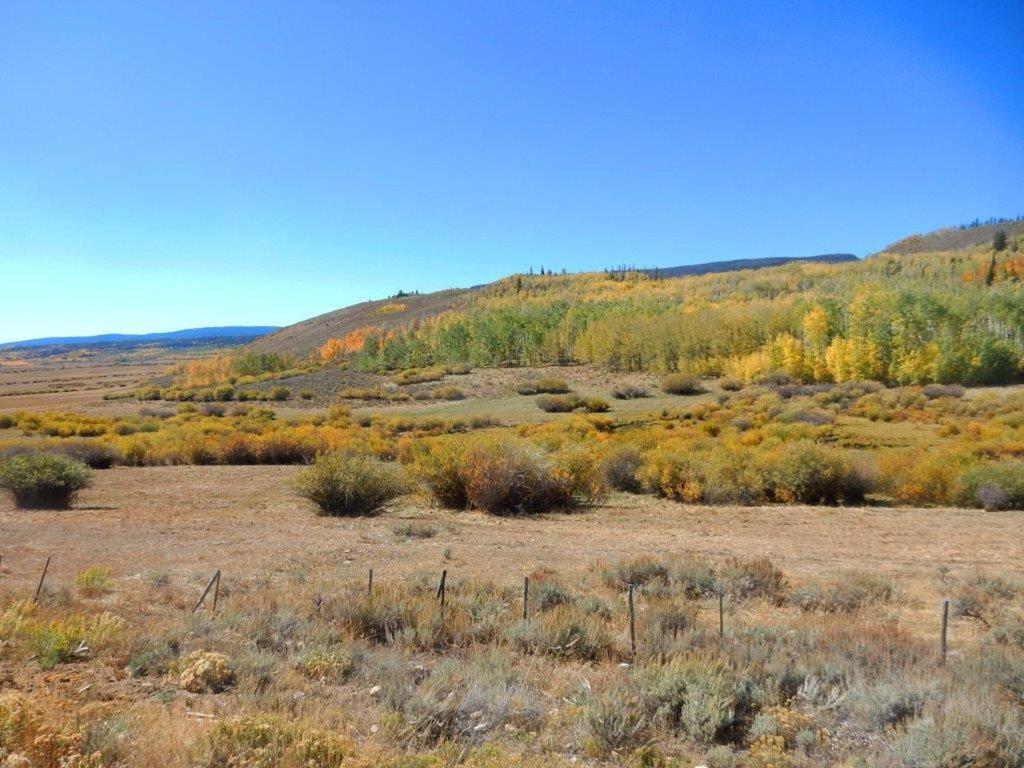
pixel 209 586
pixel 526 596
pixel 721 611
pixel 632 624
pixel 42 578
pixel 440 587
pixel 216 591
pixel 369 586
pixel 943 646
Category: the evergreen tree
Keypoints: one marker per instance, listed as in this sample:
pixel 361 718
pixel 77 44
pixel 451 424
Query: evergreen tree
pixel 999 241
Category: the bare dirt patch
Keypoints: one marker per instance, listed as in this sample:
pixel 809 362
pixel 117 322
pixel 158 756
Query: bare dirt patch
pixel 186 521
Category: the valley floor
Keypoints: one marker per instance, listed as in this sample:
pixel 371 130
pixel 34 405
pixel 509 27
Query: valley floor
pixel 187 521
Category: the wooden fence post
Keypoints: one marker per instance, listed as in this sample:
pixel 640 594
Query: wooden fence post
pixel 632 624
pixel 42 578
pixel 441 587
pixel 369 586
pixel 213 580
pixel 216 591
pixel 721 611
pixel 526 596
pixel 943 646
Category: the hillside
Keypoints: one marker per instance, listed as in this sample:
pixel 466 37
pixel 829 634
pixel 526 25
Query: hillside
pixel 903 316
pixel 955 238
pixel 303 338
pixel 386 314
pixel 238 333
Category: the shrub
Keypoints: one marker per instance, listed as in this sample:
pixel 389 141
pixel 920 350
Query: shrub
pixel 94 581
pixel 810 474
pixel 440 468
pixel 307 394
pixel 279 393
pixel 754 578
pixel 569 403
pixel 543 386
pixel 720 476
pixel 621 468
pixel 504 476
pixel 994 486
pixel 346 484
pixel 615 720
pixel 933 391
pixel 40 480
pixel 206 671
pixel 94 455
pixel 681 384
pixel 262 742
pixel 420 375
pixel 629 392
pixel 414 529
pixel 730 385
pixel 440 393
pixel 558 403
pixel 566 632
pixel 847 596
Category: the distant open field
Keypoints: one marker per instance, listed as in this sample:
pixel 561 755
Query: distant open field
pixel 68 386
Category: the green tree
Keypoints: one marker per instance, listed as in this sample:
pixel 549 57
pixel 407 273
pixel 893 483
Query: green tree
pixel 999 241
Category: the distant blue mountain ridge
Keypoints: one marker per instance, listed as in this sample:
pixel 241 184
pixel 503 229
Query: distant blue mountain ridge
pixel 239 332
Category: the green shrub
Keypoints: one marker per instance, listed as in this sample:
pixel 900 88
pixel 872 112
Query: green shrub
pixel 807 473
pixel 570 403
pixel 558 403
pixel 279 393
pixel 349 485
pixel 994 486
pixel 94 581
pixel 262 742
pixel 543 386
pixel 307 394
pixel 41 480
pixel 420 375
pixel 682 384
pixel 439 466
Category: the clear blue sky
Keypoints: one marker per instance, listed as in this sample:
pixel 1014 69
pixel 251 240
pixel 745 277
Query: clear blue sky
pixel 177 164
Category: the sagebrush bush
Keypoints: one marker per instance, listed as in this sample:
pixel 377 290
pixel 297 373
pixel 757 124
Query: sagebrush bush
pixel 41 480
pixel 681 384
pixel 348 485
pixel 570 403
pixel 629 392
pixel 547 386
pixel 94 455
pixel 206 672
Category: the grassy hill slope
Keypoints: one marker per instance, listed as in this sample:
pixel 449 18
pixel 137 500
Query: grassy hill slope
pixel 955 238
pixel 303 338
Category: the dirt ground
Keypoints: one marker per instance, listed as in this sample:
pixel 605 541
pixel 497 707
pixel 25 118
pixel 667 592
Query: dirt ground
pixel 186 521
pixel 69 386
